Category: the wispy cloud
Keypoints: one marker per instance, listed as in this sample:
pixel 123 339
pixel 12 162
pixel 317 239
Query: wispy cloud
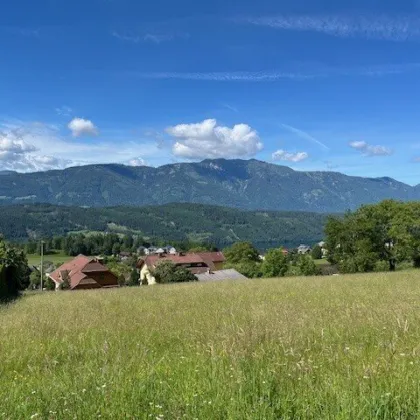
pixel 370 150
pixel 394 28
pixel 277 75
pixel 64 111
pixel 231 108
pixel 304 135
pixel 155 38
pixel 226 76
pixel 21 31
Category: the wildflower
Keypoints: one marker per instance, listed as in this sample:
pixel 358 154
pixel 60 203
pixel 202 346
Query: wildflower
pixel 83 390
pixel 33 392
pixel 34 415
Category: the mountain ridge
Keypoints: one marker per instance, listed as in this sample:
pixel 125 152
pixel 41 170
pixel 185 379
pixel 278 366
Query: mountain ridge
pixel 244 184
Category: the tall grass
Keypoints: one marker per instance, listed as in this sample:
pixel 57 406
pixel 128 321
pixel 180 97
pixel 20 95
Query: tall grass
pixel 302 348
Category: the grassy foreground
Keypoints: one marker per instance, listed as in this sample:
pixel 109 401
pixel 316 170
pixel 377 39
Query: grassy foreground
pixel 298 348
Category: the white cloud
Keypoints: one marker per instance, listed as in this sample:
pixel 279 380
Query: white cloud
pixel 42 147
pixel 17 154
pixel 80 127
pixel 369 150
pixel 396 28
pixel 16 146
pixel 138 161
pixel 208 140
pixel 289 157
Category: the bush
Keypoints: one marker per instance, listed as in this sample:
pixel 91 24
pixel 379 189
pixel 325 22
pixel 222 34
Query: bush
pixel 307 266
pixel 316 252
pixel 14 272
pixel 242 252
pixel 275 263
pixel 248 269
pixel 168 272
pixel 49 284
pixel 134 278
pixel 35 280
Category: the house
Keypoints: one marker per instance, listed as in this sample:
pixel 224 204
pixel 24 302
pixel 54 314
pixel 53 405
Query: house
pixel 304 249
pixel 324 250
pixel 220 275
pixel 170 249
pixel 84 273
pixel 215 260
pixel 141 250
pixel 193 262
pixel 150 251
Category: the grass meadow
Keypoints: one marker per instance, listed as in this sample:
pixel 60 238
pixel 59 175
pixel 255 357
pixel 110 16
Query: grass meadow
pixel 345 347
pixel 34 259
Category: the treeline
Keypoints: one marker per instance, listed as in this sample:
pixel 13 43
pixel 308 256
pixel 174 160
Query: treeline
pixel 220 226
pixel 245 258
pixel 375 237
pixel 104 244
pixel 14 272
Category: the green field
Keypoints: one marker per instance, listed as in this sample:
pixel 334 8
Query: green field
pixel 344 347
pixel 54 258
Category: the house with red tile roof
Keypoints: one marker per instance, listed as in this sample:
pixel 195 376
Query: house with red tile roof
pixel 84 273
pixel 215 260
pixel 197 263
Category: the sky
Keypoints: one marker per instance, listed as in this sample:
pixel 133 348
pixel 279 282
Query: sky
pixel 320 85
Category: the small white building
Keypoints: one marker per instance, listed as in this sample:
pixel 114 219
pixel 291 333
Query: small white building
pixel 304 249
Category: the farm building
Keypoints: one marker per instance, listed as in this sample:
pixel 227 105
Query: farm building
pixel 84 273
pixel 197 263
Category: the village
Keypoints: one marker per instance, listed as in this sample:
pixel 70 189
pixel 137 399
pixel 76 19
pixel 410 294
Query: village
pixel 84 272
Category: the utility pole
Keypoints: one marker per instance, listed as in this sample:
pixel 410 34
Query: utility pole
pixel 42 266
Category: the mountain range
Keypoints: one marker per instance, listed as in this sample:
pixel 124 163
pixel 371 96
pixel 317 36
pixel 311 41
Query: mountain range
pixel 243 184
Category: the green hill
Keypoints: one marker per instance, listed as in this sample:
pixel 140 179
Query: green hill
pixel 218 225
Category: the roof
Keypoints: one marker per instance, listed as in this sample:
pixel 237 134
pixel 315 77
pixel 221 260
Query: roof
pixel 221 275
pixel 78 270
pixel 152 260
pixel 215 257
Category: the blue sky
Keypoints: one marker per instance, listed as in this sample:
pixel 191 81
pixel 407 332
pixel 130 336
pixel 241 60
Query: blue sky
pixel 319 85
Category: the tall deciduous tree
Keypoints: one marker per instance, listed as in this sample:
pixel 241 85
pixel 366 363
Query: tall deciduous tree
pixel 275 263
pixel 14 271
pixel 388 231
